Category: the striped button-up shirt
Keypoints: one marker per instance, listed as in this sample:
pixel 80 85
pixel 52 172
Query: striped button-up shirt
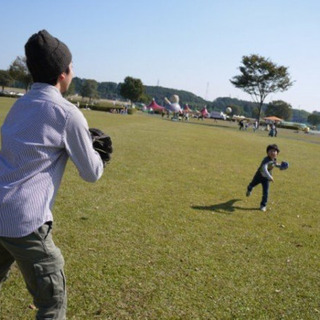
pixel 40 132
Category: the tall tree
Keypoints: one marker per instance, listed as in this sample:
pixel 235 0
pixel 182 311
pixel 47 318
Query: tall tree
pixel 108 90
pixel 18 70
pixel 314 118
pixel 71 90
pixel 5 79
pixel 260 77
pixel 299 115
pixel 132 89
pixel 280 109
pixel 89 89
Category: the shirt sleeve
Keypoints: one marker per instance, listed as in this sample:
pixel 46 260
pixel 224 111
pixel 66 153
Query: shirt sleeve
pixel 265 172
pixel 79 147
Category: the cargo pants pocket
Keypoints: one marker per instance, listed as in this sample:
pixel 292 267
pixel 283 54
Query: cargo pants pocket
pixel 50 297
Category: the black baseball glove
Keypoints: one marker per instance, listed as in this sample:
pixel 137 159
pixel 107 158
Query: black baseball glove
pixel 284 165
pixel 102 144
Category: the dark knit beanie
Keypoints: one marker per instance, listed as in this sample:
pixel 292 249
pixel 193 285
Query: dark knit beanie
pixel 47 57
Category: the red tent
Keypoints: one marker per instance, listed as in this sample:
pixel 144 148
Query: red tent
pixel 204 112
pixel 186 109
pixel 155 106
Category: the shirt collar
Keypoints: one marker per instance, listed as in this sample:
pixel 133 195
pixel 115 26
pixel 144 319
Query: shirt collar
pixel 45 87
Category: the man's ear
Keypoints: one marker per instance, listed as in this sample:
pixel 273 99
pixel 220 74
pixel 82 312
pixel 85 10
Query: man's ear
pixel 62 76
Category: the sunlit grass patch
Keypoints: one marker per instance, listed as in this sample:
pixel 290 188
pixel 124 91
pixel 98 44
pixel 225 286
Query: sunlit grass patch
pixel 167 233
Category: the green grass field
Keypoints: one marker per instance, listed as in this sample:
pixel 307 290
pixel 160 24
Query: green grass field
pixel 167 233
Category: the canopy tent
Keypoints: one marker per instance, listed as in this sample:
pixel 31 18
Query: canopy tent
pixel 204 112
pixel 186 109
pixel 154 106
pixel 273 119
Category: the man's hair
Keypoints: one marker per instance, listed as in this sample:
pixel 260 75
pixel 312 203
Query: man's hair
pixel 53 82
pixel 273 147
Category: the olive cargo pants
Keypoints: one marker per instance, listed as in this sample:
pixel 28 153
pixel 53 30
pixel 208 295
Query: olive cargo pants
pixel 41 264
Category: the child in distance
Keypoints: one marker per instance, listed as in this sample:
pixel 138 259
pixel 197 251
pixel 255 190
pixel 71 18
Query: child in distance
pixel 264 174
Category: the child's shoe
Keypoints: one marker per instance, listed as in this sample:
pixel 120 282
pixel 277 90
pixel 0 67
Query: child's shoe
pixel 264 209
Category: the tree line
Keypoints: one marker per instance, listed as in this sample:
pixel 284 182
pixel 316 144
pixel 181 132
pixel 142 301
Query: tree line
pixel 258 77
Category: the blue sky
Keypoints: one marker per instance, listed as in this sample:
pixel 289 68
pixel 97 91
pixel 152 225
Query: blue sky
pixel 193 45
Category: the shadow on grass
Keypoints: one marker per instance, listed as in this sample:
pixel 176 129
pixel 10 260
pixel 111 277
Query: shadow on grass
pixel 224 207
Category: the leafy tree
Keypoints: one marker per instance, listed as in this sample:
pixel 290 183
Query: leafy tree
pixel 132 89
pixel 108 90
pixel 5 79
pixel 236 110
pixel 280 109
pixel 247 108
pixel 89 89
pixel 145 98
pixel 314 118
pixel 77 84
pixel 299 115
pixel 71 90
pixel 18 70
pixel 260 77
pixel 255 113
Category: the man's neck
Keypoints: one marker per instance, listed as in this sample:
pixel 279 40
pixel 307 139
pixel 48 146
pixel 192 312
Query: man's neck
pixel 58 86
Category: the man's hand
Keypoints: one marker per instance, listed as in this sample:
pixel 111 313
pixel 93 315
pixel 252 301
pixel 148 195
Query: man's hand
pixel 102 144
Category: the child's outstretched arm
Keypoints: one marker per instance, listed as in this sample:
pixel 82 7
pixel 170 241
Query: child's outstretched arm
pixel 265 172
pixel 278 165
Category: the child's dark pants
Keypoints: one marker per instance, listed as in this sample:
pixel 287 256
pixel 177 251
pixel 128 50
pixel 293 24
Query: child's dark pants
pixel 257 179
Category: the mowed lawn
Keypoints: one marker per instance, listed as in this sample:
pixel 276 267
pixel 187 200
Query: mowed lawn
pixel 167 233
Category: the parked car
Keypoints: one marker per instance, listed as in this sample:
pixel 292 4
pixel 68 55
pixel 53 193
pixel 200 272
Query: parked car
pixel 218 115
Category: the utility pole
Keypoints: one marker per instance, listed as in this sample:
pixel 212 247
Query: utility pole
pixel 207 90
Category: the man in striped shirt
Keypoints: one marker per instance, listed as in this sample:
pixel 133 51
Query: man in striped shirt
pixel 41 131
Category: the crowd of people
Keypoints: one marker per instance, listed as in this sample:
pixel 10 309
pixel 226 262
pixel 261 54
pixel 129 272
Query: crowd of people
pixel 271 128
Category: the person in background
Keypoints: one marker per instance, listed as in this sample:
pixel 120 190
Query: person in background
pixel 263 175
